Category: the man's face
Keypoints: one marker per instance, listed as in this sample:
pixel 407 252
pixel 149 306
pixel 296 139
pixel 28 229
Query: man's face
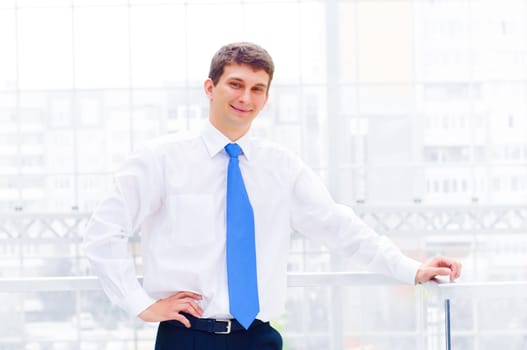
pixel 237 98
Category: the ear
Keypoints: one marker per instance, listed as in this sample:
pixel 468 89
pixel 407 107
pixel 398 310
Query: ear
pixel 208 86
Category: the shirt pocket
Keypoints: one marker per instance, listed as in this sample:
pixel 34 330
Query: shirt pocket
pixel 192 219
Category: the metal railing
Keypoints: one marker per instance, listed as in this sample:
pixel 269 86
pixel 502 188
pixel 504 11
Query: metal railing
pixel 27 289
pixel 448 315
pixel 351 305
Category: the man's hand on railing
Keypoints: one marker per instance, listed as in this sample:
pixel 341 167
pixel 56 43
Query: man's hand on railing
pixel 438 266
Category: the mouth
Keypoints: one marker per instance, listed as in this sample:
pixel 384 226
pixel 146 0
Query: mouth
pixel 241 110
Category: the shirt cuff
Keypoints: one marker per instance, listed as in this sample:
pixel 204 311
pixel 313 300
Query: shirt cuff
pixel 137 302
pixel 407 270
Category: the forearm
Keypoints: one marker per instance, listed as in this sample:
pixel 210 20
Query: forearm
pixel 106 247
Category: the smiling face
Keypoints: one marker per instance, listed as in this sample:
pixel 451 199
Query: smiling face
pixel 236 99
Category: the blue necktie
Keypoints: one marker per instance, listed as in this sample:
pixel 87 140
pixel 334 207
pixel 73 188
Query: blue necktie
pixel 241 251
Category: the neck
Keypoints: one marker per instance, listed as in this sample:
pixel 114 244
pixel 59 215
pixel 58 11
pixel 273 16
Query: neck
pixel 232 133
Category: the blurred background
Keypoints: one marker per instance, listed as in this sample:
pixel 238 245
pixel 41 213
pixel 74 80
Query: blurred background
pixel 414 112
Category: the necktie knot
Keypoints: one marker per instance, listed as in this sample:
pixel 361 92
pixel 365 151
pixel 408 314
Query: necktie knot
pixel 233 149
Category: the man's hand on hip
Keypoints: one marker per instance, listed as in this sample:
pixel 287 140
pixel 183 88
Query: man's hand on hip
pixel 170 308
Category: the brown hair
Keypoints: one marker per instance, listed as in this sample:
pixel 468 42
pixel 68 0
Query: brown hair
pixel 241 53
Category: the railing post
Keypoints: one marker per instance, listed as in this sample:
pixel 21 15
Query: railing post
pixel 447 324
pixel 337 328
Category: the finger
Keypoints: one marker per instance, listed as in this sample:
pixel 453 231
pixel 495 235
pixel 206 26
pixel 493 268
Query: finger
pixel 192 308
pixel 182 319
pixel 429 273
pixel 439 271
pixel 452 264
pixel 441 261
pixel 456 271
pixel 187 305
pixel 187 294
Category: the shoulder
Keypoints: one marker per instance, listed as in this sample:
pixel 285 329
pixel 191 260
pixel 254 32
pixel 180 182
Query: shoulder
pixel 164 143
pixel 158 150
pixel 271 148
pixel 276 153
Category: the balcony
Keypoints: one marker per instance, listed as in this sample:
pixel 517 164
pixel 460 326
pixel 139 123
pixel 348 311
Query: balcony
pixel 326 309
pixel 352 311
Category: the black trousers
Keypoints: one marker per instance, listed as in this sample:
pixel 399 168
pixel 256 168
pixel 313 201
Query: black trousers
pixel 176 337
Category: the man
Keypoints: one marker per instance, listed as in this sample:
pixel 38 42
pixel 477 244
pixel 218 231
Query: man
pixel 215 211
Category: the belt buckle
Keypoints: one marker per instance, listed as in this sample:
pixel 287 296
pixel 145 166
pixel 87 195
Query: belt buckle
pixel 227 325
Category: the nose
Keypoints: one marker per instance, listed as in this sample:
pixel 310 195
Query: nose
pixel 245 96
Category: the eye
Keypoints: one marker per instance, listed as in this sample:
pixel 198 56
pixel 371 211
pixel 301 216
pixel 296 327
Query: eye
pixel 235 85
pixel 258 90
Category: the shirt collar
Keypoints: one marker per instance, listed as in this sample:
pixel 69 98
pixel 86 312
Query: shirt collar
pixel 215 141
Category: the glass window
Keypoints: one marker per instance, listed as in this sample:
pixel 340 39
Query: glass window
pixel 101 47
pixel 312 42
pixel 45 48
pixel 382 37
pixel 285 18
pixel 8 56
pixel 208 27
pixel 89 108
pixel 158 46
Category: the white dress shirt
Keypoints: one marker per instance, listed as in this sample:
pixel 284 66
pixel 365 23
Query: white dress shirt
pixel 174 192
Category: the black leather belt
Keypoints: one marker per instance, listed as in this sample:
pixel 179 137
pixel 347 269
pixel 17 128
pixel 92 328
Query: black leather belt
pixel 217 326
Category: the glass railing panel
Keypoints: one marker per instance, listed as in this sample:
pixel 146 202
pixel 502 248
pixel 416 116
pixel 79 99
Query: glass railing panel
pixel 331 311
pixel 69 320
pixel 485 316
pixel 462 322
pixel 307 323
pixel 380 317
pixel 105 326
pixel 73 313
